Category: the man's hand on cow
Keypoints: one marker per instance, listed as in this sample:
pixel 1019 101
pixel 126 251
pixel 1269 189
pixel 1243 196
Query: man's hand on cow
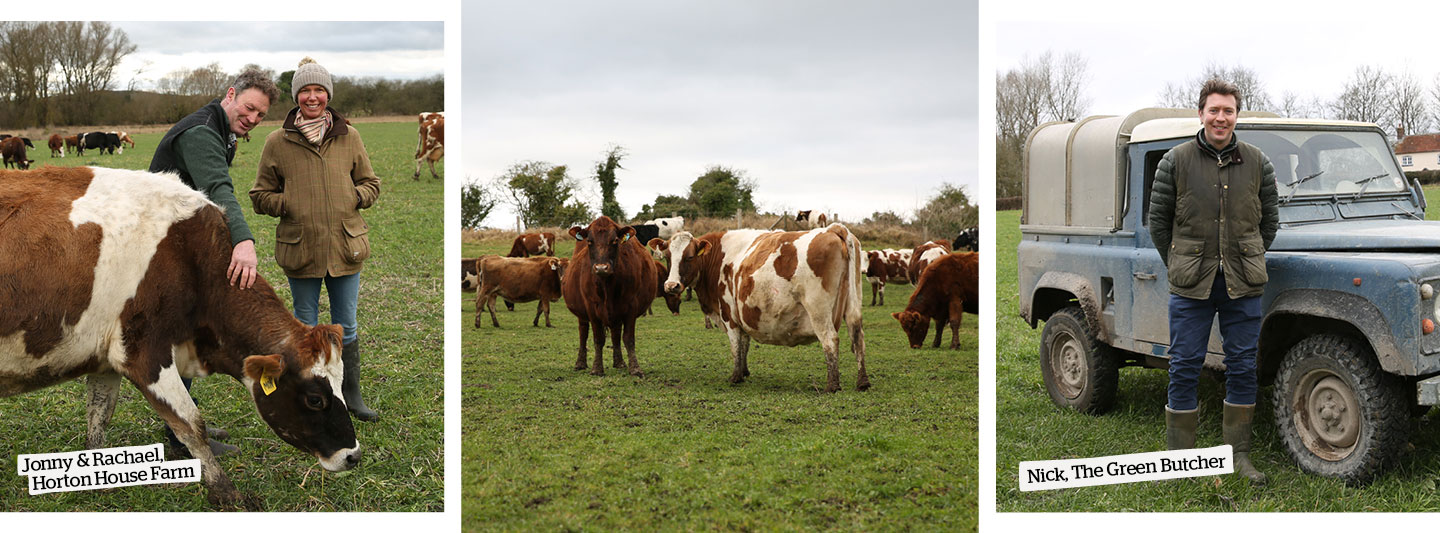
pixel 242 265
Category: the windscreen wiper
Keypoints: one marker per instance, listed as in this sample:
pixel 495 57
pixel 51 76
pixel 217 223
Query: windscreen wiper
pixel 1295 186
pixel 1366 183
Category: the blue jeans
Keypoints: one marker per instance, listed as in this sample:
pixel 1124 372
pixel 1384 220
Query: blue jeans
pixel 344 297
pixel 1190 334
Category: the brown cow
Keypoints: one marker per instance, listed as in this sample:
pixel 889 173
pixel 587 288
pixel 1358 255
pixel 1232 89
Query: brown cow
pixel 57 145
pixel 519 279
pixel 877 272
pixel 121 274
pixel 72 143
pixel 611 282
pixel 925 254
pixel 781 288
pixel 13 151
pixel 947 289
pixel 432 141
pixel 528 244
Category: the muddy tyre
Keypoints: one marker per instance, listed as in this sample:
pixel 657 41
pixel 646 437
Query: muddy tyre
pixel 1338 413
pixel 1080 372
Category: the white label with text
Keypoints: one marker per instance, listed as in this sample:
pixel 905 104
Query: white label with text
pixel 1170 464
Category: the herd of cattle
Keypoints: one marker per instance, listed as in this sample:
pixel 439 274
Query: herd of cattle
pixel 13 148
pixel 775 287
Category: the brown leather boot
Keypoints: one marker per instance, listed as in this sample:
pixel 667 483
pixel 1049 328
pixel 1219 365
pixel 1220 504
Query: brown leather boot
pixel 1238 419
pixel 1180 428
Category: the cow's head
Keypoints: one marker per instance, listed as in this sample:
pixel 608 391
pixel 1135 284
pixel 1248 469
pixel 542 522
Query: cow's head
pixel 298 395
pixel 683 250
pixel 469 274
pixel 602 242
pixel 915 326
pixel 558 264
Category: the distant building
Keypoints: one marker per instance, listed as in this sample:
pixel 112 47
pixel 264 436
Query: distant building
pixel 1419 152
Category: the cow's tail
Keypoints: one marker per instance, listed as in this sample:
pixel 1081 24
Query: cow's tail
pixel 848 290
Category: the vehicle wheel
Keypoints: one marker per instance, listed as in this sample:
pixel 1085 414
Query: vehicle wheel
pixel 1079 371
pixel 1339 414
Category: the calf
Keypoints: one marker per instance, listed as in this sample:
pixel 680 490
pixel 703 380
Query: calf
pixel 782 288
pixel 432 142
pixel 519 280
pixel 12 150
pixel 925 254
pixel 57 146
pixel 529 244
pixel 947 289
pixel 611 282
pixel 120 274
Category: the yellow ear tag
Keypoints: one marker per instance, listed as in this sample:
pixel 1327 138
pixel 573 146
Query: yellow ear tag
pixel 702 251
pixel 267 384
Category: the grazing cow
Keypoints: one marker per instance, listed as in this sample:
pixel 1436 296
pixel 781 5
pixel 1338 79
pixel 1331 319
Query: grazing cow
pixel 807 221
pixel 124 138
pixel 99 140
pixel 519 279
pixel 666 227
pixel 432 141
pixel 73 143
pixel 877 273
pixel 782 288
pixel 469 275
pixel 121 274
pixel 611 282
pixel 968 239
pixel 12 150
pixel 947 290
pixel 925 254
pixel 528 244
pixel 57 146
pixel 897 266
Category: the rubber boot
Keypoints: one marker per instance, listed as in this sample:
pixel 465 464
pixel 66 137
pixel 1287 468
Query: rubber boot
pixel 351 387
pixel 1180 428
pixel 1237 422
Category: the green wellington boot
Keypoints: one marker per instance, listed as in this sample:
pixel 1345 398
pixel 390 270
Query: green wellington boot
pixel 1238 419
pixel 351 387
pixel 1180 428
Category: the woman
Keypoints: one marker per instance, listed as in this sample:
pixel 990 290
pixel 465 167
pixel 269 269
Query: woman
pixel 315 175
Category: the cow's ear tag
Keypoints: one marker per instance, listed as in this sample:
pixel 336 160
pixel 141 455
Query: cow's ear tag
pixel 702 251
pixel 626 239
pixel 267 384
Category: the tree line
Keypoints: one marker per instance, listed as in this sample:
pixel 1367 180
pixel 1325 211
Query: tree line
pixel 547 195
pixel 56 74
pixel 1052 87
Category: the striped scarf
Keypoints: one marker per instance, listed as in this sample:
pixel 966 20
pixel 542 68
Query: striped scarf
pixel 314 129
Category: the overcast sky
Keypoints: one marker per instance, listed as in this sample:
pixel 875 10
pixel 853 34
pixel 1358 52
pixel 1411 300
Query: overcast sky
pixel 396 50
pixel 851 107
pixel 1307 48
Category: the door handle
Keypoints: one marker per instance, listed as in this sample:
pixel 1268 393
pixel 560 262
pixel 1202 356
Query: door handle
pixel 1144 276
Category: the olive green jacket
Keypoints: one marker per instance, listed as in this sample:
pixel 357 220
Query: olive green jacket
pixel 318 192
pixel 1210 208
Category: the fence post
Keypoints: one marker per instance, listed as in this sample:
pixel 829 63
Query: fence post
pixel 737 218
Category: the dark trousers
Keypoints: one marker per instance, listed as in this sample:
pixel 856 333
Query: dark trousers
pixel 1190 321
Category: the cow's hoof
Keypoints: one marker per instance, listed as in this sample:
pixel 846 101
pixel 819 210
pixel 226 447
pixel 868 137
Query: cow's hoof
pixel 637 373
pixel 862 385
pixel 597 371
pixel 832 388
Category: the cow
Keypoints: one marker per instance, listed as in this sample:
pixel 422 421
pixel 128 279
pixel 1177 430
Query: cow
pixel 73 143
pixel 519 279
pixel 12 150
pixel 897 266
pixel 610 283
pixel 432 141
pixel 469 275
pixel 877 273
pixel 925 254
pixel 528 244
pixel 666 227
pixel 949 288
pixel 57 146
pixel 968 239
pixel 807 221
pixel 777 287
pixel 121 274
pixel 124 139
pixel 99 140
pixel 672 301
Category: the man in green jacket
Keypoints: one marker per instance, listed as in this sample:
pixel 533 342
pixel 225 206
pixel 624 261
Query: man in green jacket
pixel 200 148
pixel 1214 210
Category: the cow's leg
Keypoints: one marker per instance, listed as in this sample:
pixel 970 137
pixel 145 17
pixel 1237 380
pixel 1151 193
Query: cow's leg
pixel 829 342
pixel 546 304
pixel 432 170
pixel 616 329
pixel 957 312
pixel 634 366
pixel 939 331
pixel 580 360
pixel 103 390
pixel 857 346
pixel 167 395
pixel 745 355
pixel 479 306
pixel 739 342
pixel 882 293
pixel 416 177
pixel 598 368
pixel 538 308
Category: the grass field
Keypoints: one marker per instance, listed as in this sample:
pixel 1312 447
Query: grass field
pixel 401 331
pixel 550 448
pixel 1029 428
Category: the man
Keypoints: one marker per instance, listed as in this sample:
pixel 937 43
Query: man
pixel 1224 193
pixel 200 148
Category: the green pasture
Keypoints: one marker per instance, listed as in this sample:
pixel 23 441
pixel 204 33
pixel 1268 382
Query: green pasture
pixel 401 332
pixel 550 448
pixel 1030 428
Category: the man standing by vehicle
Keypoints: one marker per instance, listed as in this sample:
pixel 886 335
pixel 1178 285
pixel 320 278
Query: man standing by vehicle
pixel 200 148
pixel 1213 213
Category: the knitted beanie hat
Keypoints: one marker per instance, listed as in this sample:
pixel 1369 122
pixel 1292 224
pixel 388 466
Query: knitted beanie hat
pixel 310 73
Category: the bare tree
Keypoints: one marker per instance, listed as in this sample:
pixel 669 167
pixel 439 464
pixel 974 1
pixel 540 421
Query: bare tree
pixel 88 53
pixel 1187 95
pixel 1412 113
pixel 1290 105
pixel 1367 97
pixel 27 61
pixel 209 80
pixel 1043 89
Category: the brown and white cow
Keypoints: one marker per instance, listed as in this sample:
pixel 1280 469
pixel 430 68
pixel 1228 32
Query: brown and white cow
pixel 519 279
pixel 947 289
pixel 610 283
pixel 925 254
pixel 781 288
pixel 12 150
pixel 432 141
pixel 57 145
pixel 528 244
pixel 125 138
pixel 121 274
pixel 469 275
pixel 877 273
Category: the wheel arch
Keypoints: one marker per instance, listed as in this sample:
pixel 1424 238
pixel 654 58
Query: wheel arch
pixel 1296 314
pixel 1056 290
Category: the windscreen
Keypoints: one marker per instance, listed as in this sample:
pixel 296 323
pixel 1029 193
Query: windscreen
pixel 1309 163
